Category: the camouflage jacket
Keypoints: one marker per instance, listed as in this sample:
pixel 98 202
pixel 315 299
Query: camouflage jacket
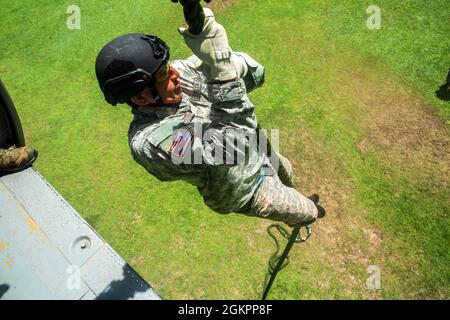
pixel 155 135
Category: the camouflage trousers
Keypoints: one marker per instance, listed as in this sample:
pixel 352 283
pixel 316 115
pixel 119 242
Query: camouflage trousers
pixel 276 201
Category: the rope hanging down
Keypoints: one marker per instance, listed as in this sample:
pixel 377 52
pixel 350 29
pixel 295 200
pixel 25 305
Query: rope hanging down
pixel 278 262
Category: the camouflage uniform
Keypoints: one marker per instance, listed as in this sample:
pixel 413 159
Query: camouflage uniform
pixel 220 108
pixel 276 200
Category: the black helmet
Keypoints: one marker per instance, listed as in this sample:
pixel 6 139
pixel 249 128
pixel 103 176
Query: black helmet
pixel 129 64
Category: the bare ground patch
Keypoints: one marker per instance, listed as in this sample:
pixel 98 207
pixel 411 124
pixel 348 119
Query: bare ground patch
pixel 219 5
pixel 404 136
pixel 317 171
pixel 403 133
pixel 400 126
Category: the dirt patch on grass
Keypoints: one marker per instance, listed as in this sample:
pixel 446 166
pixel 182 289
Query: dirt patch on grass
pixel 401 128
pixel 404 137
pixel 401 132
pixel 219 5
pixel 335 242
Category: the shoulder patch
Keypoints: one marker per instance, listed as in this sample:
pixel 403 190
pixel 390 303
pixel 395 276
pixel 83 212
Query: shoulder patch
pixel 181 142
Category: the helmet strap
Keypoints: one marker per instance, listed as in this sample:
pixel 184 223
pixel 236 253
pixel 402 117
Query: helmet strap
pixel 155 95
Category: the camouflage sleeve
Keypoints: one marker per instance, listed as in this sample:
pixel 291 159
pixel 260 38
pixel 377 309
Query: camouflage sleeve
pixel 147 155
pixel 231 106
pixel 232 131
pixel 254 72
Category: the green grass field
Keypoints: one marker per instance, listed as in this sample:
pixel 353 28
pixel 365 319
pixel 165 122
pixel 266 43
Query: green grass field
pixel 357 116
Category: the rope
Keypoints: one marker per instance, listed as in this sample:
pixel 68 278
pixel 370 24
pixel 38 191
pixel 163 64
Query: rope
pixel 277 261
pixel 276 255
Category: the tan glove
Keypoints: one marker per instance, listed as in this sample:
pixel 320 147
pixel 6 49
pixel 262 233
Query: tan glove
pixel 212 47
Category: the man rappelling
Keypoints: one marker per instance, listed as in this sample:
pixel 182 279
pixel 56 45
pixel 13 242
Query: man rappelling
pixel 170 98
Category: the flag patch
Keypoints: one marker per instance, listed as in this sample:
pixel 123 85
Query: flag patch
pixel 182 142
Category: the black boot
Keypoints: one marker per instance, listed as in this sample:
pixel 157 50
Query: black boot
pixel 314 198
pixel 321 211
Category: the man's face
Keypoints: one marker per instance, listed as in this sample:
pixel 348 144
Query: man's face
pixel 169 90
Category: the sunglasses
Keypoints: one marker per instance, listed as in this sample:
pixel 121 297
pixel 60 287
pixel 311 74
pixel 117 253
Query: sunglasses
pixel 131 84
